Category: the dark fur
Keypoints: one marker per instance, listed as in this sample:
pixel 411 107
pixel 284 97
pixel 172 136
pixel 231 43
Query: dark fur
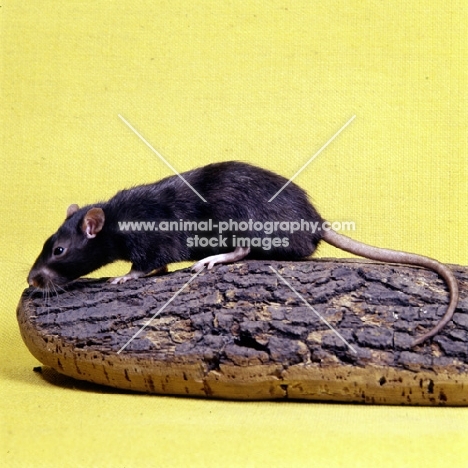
pixel 233 190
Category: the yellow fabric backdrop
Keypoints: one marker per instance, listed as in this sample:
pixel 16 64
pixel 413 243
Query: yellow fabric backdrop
pixel 267 82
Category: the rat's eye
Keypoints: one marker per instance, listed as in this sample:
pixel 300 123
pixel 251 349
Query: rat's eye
pixel 58 251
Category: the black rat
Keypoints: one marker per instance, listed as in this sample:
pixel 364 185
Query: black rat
pixel 235 192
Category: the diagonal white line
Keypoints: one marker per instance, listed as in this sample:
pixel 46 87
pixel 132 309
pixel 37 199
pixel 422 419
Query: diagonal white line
pixel 314 311
pixel 159 311
pixel 158 154
pixel 312 158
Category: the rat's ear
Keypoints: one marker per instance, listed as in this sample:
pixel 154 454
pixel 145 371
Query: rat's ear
pixel 72 209
pixel 93 222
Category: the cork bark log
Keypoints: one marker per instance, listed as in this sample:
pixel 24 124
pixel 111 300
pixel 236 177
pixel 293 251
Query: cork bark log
pixel 239 332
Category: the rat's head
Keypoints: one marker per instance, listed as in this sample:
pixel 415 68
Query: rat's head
pixel 73 251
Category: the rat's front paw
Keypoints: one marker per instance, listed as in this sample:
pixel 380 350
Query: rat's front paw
pixel 120 279
pixel 129 276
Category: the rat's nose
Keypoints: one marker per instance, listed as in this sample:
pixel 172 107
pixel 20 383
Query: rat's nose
pixel 35 281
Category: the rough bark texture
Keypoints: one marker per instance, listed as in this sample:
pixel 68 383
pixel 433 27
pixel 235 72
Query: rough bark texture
pixel 240 332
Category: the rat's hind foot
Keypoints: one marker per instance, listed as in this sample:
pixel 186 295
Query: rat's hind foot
pixel 231 257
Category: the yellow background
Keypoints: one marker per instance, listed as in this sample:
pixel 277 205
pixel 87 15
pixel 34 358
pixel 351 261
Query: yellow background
pixel 267 82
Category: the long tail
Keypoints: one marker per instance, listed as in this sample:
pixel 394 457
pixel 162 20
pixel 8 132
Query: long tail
pixel 394 256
